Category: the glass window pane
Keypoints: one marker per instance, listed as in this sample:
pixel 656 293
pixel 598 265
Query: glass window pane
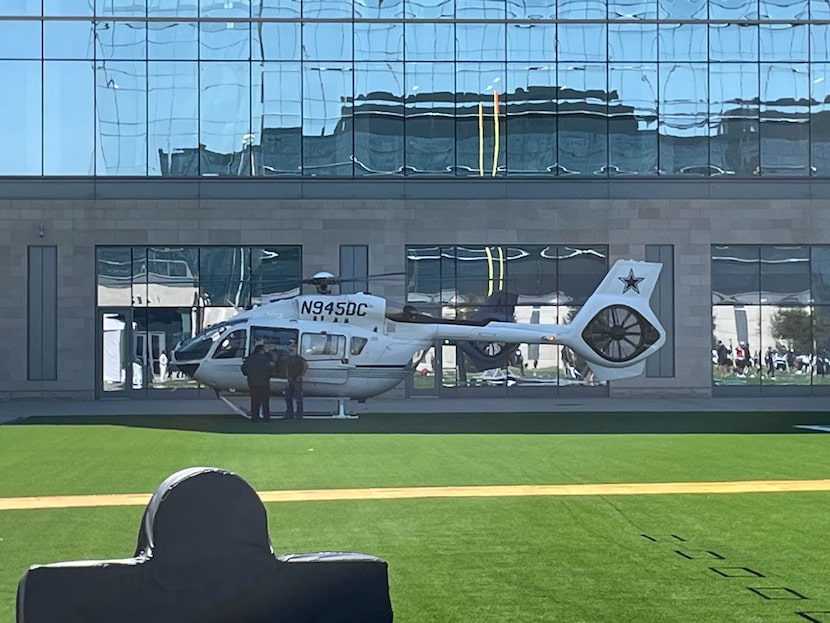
pixel 736 274
pixel 819 42
pixel 783 42
pixel 225 118
pixel 582 9
pixel 784 9
pixel 378 118
pixel 531 119
pixel 738 328
pixel 820 274
pixel 581 270
pixel 224 279
pixel 20 7
pixel 683 124
pixel 67 40
pixel 682 9
pixel 276 41
pixel 785 131
pixel 789 331
pixel 479 121
pixel 429 42
pixel 225 8
pixel 430 118
pixel 480 42
pixel 121 40
pixel 173 116
pixel 583 118
pixel 785 275
pixel 225 41
pixel 378 41
pixel 632 119
pixel 327 8
pixel 121 106
pixel 21 118
pixel 278 109
pixel 172 276
pixel 582 42
pixel 632 9
pixel 683 42
pixel 531 42
pixel 114 276
pixel 733 42
pixel 20 40
pixel 275 269
pixel 733 9
pixel 379 9
pixel 327 122
pixel 68 118
pixel 122 8
pixel 819 110
pixel 276 8
pixel 632 42
pixel 327 41
pixel 429 9
pixel 819 9
pixel 477 9
pixel 172 41
pixel 77 8
pixel 734 118
pixel 531 9
pixel 173 8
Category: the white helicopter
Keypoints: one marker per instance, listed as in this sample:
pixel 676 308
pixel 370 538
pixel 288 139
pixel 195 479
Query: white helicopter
pixel 357 347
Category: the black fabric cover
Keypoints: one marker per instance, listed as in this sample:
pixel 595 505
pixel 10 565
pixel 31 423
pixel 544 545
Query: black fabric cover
pixel 204 556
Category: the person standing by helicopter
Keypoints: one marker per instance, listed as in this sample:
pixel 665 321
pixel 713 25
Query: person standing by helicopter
pixel 257 367
pixel 296 367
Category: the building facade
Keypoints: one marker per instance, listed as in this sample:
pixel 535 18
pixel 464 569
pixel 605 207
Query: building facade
pixel 166 162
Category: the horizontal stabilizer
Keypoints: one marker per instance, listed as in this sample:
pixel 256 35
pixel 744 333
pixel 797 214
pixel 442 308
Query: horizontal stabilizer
pixel 612 374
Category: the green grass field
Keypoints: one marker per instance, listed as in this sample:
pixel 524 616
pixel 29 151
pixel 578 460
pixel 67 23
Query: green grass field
pixel 662 558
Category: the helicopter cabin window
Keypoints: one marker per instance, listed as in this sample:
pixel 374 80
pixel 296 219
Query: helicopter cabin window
pixel 232 346
pixel 273 338
pixel 357 345
pixel 324 345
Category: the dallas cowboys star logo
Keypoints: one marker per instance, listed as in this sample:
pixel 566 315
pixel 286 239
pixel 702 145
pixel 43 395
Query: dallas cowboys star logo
pixel 631 282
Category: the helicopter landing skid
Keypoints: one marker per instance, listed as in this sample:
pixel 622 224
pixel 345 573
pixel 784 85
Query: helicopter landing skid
pixel 236 408
pixel 340 414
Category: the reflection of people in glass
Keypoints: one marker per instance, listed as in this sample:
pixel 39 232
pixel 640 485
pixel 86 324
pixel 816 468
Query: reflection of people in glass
pixel 296 367
pixel 163 361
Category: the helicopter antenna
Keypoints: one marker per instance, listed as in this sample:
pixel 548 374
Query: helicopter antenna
pixel 323 282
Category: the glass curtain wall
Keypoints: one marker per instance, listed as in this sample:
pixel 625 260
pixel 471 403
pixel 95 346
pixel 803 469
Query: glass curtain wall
pixel 175 292
pixel 472 88
pixel 549 282
pixel 770 315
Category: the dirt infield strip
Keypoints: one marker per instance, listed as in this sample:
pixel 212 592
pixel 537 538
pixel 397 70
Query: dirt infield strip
pixel 395 493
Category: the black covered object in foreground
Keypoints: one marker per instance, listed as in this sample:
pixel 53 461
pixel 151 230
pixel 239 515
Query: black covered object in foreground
pixel 204 556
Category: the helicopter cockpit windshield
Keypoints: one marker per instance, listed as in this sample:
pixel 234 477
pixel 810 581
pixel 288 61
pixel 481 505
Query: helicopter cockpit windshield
pixel 198 346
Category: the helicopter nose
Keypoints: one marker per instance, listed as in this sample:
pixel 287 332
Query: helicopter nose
pixel 188 369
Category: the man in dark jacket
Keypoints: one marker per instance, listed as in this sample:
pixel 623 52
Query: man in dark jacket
pixel 257 368
pixel 296 366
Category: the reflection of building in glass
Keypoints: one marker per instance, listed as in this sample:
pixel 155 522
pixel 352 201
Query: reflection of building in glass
pixel 256 90
pixel 209 154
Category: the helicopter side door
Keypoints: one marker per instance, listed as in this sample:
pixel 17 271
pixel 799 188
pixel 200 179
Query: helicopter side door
pixel 275 340
pixel 326 356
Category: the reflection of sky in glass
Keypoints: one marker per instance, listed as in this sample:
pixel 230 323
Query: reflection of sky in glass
pixel 117 94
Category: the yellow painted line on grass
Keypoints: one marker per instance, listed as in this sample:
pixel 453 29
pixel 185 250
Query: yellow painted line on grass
pixel 400 493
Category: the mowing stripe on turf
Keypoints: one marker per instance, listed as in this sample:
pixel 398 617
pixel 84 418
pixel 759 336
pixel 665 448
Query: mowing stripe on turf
pixel 398 493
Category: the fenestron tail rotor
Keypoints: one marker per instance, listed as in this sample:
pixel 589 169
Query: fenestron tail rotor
pixel 619 333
